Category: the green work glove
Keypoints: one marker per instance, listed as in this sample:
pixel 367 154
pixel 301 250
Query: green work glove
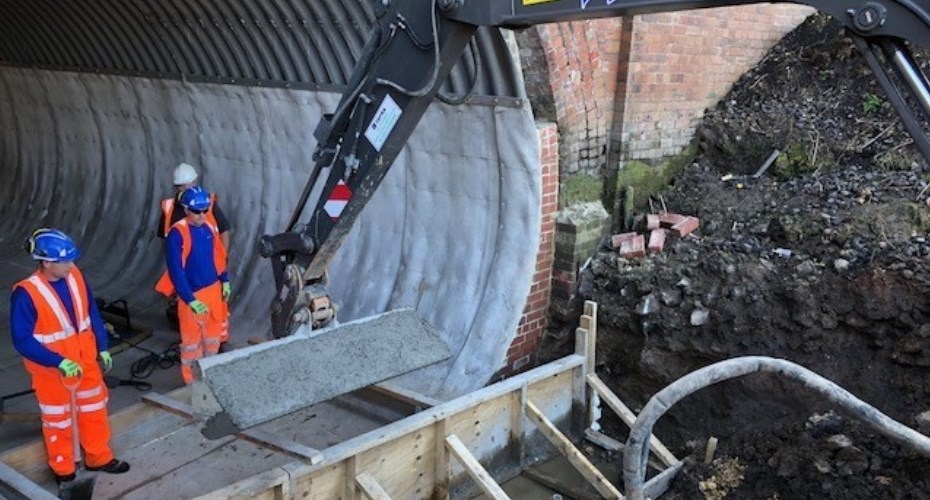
pixel 227 291
pixel 198 307
pixel 69 368
pixel 107 361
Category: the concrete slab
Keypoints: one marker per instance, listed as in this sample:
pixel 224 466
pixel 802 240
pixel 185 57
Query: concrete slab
pixel 256 384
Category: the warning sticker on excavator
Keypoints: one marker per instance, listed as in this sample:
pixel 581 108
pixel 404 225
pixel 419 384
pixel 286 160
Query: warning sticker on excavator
pixel 383 123
pixel 337 200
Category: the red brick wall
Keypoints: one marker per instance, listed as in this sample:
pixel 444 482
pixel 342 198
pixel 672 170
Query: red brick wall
pixel 682 63
pixel 535 313
pixel 635 88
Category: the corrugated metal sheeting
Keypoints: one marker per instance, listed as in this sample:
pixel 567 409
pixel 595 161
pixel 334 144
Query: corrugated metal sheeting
pixel 286 43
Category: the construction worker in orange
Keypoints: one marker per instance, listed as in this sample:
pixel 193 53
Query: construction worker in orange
pixel 58 330
pixel 196 262
pixel 184 177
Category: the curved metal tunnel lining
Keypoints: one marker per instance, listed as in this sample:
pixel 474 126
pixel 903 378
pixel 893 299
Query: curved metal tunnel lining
pixel 92 153
pixel 287 43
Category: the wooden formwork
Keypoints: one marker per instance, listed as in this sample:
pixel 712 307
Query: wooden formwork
pixel 438 450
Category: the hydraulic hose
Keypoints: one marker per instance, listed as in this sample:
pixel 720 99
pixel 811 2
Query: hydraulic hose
pixel 637 446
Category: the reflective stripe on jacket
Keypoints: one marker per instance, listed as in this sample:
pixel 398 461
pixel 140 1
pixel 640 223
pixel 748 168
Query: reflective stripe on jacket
pixel 53 328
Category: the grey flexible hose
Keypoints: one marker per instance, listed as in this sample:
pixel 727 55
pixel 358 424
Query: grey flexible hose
pixel 637 446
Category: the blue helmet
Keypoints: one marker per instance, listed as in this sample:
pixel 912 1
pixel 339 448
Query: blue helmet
pixel 195 198
pixel 52 245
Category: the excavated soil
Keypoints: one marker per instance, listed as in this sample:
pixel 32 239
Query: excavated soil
pixel 821 261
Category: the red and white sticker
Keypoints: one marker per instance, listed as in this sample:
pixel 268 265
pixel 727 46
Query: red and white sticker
pixel 338 200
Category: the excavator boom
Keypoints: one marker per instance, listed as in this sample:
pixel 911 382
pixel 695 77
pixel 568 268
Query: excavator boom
pixel 411 51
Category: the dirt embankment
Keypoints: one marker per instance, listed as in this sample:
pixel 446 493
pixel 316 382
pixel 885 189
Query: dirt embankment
pixel 821 261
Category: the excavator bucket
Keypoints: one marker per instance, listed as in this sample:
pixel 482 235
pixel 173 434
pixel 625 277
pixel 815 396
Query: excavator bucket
pixel 249 386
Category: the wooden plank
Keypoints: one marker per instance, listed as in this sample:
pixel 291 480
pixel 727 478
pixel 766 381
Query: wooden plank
pixel 325 483
pixel 370 487
pixel 168 404
pixel 603 440
pixel 441 491
pixel 172 455
pixel 257 436
pixel 517 427
pixel 589 322
pixel 351 473
pixel 405 395
pixel 477 472
pixel 272 483
pixel 579 385
pixel 21 484
pixel 629 417
pixel 416 479
pixel 575 457
pixel 283 445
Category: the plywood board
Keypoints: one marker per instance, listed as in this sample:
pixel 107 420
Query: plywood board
pixel 412 480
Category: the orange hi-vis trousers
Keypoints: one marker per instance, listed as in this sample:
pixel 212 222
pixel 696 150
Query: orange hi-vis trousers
pixel 55 405
pixel 200 333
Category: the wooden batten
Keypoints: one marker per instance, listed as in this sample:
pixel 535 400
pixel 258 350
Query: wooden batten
pixel 484 480
pixel 370 488
pixel 629 417
pixel 575 457
pixel 407 396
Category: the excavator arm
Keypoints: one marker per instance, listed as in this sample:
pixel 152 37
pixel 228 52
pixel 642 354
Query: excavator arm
pixel 411 51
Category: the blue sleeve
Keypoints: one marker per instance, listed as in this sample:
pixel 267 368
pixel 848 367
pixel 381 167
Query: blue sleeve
pixel 23 317
pixel 96 322
pixel 175 267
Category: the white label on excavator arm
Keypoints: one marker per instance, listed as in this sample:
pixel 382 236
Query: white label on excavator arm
pixel 383 123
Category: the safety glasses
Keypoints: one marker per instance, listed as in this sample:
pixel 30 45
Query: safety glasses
pixel 198 212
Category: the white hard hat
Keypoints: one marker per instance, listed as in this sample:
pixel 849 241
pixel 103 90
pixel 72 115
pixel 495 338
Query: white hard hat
pixel 184 174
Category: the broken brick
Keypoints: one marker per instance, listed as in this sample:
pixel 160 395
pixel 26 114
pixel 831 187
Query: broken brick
pixel 652 221
pixel 656 240
pixel 617 240
pixel 633 247
pixel 668 219
pixel 686 226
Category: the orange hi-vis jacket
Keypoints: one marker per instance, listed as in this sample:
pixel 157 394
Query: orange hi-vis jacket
pixel 165 285
pixel 167 209
pixel 53 327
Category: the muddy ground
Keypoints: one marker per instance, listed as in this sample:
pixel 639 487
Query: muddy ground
pixel 822 260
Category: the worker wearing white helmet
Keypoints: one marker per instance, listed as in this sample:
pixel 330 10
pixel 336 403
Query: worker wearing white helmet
pixel 185 176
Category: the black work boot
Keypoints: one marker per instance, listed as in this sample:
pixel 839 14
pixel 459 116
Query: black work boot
pixel 64 479
pixel 112 467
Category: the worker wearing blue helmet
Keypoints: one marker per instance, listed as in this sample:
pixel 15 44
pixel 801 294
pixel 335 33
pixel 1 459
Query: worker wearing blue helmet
pixel 58 330
pixel 195 258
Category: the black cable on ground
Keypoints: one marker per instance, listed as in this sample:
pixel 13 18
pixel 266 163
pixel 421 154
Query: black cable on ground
pixel 143 367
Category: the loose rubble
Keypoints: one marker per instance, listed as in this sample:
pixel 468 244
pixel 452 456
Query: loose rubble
pixel 820 259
